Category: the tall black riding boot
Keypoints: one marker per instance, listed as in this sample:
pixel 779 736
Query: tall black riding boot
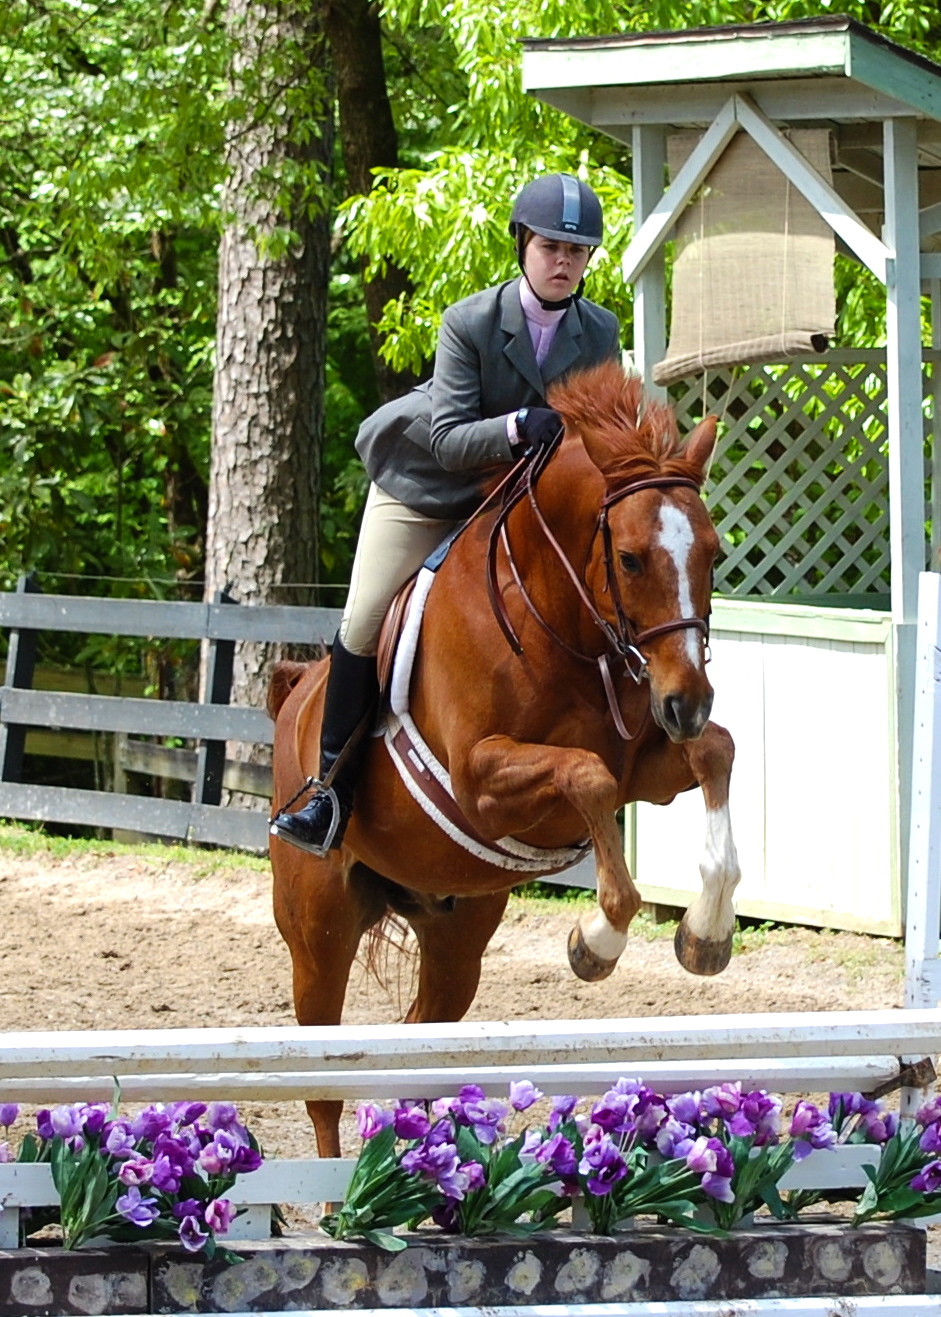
pixel 349 708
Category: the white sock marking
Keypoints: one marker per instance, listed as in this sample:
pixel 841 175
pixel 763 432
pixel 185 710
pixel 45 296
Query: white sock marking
pixel 676 538
pixel 711 916
pixel 606 942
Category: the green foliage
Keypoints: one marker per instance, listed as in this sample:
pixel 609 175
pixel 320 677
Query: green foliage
pixel 111 146
pixel 112 134
pixel 474 138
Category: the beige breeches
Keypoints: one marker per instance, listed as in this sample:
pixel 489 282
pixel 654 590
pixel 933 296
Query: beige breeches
pixel 393 543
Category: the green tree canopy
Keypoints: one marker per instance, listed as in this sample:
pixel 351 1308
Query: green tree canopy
pixel 111 132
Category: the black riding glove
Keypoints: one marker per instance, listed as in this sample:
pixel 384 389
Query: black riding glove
pixel 536 427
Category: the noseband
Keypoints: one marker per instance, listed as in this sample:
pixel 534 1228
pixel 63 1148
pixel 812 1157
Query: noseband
pixel 622 640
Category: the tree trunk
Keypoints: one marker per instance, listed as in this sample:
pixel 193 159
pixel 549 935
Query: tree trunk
pixel 370 141
pixel 263 531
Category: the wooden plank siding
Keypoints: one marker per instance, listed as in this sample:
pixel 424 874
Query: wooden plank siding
pixel 181 820
pixel 174 621
pixel 105 713
pixel 207 725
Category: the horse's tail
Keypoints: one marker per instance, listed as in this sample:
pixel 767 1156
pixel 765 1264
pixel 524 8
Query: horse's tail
pixel 284 677
pixel 390 956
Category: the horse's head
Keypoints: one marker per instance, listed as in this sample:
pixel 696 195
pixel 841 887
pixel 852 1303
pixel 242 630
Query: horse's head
pixel 650 573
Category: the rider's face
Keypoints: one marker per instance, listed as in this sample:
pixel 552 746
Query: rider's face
pixel 554 268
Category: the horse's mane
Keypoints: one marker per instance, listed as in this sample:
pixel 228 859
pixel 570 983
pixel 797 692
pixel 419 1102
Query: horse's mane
pixel 626 434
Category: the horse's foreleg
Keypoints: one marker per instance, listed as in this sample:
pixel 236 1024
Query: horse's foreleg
pixel 703 940
pixel 452 944
pixel 512 786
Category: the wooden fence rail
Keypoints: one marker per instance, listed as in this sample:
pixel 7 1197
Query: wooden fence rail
pixel 209 723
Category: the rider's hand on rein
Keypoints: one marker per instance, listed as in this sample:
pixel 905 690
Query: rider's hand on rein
pixel 537 427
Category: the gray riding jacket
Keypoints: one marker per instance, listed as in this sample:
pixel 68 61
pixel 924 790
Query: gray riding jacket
pixel 431 448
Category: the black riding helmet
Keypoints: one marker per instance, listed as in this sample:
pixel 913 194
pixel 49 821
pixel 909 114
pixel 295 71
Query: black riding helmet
pixel 557 206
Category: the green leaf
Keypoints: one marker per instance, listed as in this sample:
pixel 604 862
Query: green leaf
pixel 382 1239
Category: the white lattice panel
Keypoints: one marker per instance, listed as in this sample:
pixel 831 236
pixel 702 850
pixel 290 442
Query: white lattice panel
pixel 799 489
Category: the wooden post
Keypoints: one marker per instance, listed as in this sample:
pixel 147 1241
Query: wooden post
pixel 650 338
pixel 906 431
pixel 923 907
pixel 21 666
pixel 903 366
pixel 922 965
pixel 934 292
pixel 210 763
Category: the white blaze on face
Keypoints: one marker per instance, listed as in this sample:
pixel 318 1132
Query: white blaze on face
pixel 676 539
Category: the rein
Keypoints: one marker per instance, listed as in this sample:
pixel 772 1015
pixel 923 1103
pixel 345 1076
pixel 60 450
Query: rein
pixel 623 640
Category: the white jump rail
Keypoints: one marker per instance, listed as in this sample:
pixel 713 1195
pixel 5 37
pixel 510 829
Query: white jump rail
pixel 348 1056
pixel 791 1053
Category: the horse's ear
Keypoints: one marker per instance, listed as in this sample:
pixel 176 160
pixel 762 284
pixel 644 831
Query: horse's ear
pixel 699 446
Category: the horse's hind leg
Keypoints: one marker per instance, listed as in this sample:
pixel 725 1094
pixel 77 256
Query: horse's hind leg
pixel 703 940
pixel 452 944
pixel 322 914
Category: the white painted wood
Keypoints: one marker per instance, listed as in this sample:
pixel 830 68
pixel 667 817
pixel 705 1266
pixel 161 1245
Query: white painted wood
pixel 251 1223
pixel 652 232
pixel 930 266
pixel 681 57
pixel 276 1181
pixel 787 1074
pixel 650 331
pixel 328 1049
pixel 934 293
pixel 830 847
pixel 616 109
pixel 848 226
pixel 906 427
pixel 315 1179
pixel 9 1227
pixel 924 862
pixel 929 220
pixel 903 364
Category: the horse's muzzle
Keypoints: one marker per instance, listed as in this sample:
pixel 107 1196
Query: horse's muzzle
pixel 683 717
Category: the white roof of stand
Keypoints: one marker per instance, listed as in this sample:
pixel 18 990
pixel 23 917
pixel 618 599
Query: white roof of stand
pixel 828 68
pixel 831 72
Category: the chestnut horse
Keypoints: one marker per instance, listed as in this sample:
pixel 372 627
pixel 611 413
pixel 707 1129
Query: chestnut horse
pixel 560 672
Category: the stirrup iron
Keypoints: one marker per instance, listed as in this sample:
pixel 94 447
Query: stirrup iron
pixel 318 849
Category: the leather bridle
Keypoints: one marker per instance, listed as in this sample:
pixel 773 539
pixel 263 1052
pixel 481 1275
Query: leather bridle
pixel 622 639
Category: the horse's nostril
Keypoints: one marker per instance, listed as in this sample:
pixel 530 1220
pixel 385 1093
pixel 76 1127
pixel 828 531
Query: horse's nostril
pixel 684 716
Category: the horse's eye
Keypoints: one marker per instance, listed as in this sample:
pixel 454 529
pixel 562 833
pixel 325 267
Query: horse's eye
pixel 631 563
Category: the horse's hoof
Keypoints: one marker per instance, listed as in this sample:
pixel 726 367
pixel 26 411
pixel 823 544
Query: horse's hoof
pixel 583 960
pixel 701 955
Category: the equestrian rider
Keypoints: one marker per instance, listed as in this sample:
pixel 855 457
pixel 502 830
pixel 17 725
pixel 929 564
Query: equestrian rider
pixel 428 453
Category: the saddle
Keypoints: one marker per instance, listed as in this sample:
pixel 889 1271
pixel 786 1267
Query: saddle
pixel 397 615
pixel 425 778
pixel 390 635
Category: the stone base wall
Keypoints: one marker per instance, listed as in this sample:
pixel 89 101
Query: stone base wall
pixel 646 1264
